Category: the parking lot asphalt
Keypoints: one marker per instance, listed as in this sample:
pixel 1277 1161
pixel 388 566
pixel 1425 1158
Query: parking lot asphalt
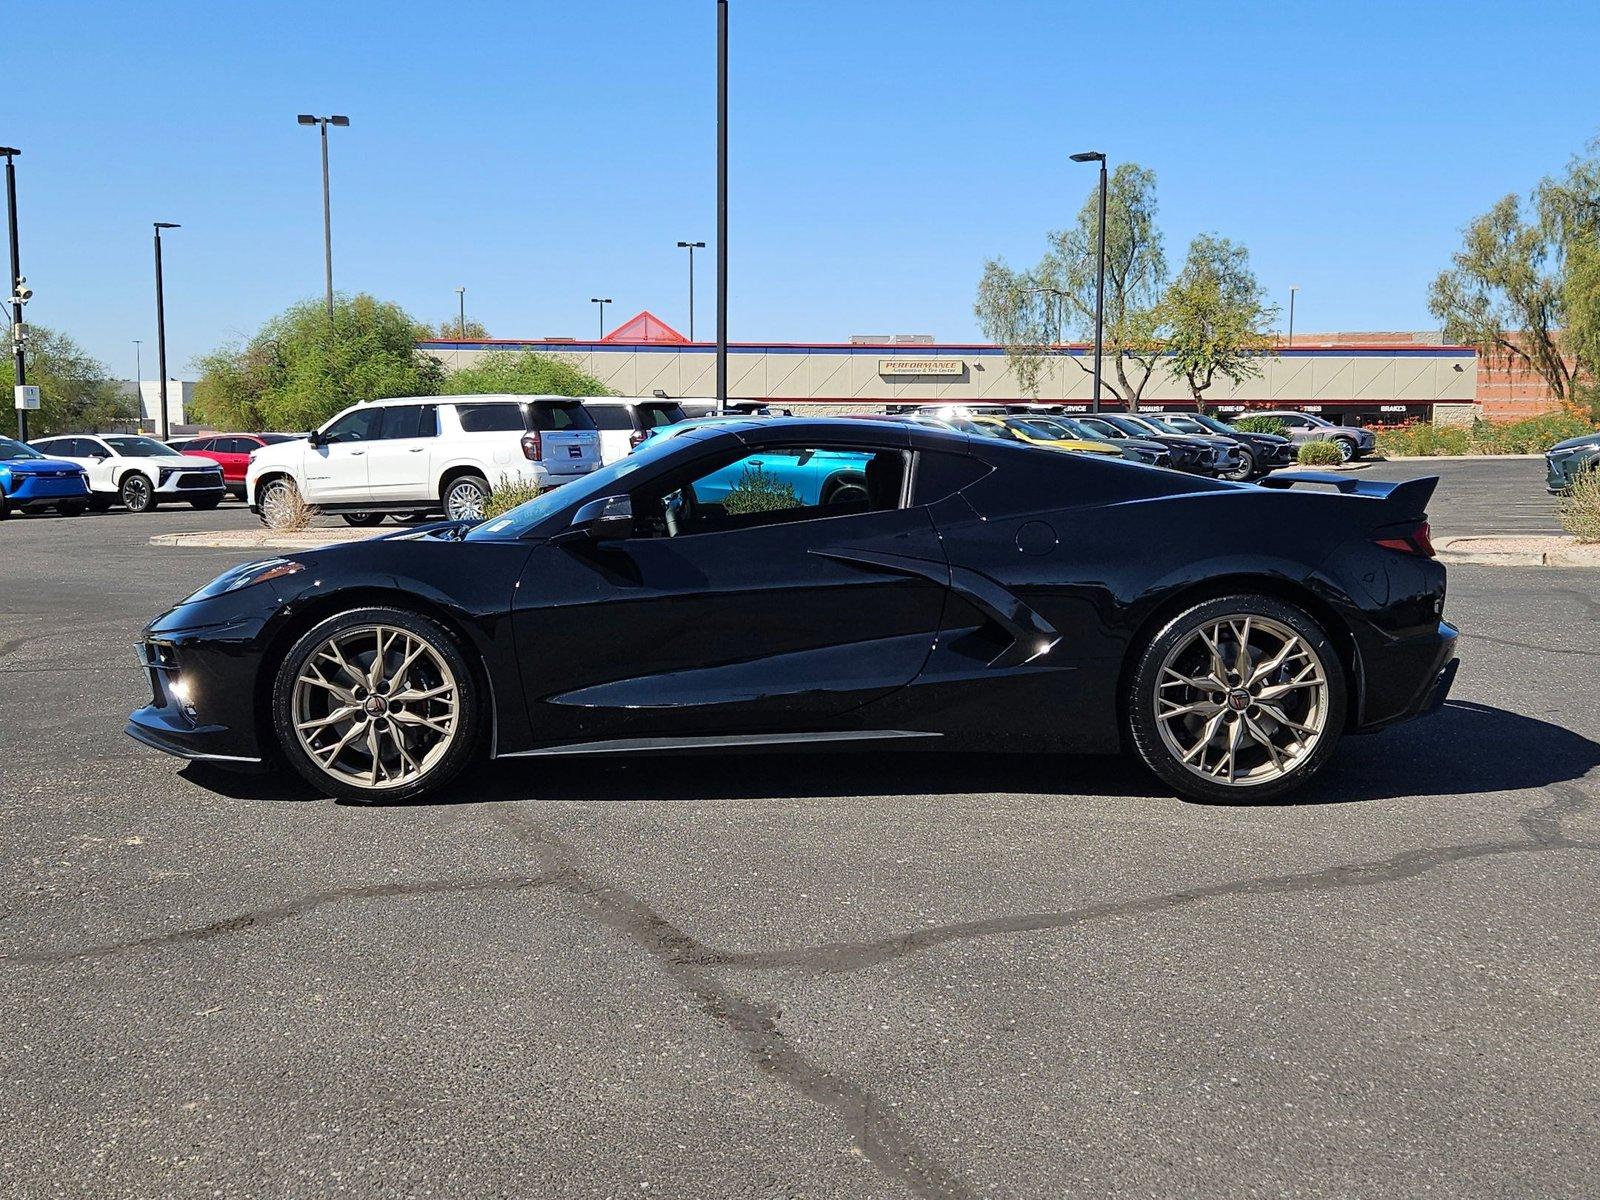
pixel 841 975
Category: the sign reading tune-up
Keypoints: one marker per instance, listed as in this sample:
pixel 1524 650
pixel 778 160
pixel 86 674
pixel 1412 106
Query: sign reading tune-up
pixel 948 368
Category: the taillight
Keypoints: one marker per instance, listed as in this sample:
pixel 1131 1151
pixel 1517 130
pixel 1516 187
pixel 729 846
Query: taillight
pixel 532 449
pixel 636 439
pixel 1416 540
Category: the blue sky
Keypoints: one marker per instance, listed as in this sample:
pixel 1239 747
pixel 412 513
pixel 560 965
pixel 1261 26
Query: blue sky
pixel 543 153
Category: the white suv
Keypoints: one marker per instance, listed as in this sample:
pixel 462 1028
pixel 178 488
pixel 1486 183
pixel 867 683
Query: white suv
pixel 139 471
pixel 625 422
pixel 425 454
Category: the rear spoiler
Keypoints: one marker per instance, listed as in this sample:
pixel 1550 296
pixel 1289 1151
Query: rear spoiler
pixel 1409 497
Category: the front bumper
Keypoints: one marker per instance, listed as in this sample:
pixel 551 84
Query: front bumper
pixel 46 489
pixel 1561 471
pixel 191 485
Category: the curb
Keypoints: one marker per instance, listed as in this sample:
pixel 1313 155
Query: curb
pixel 1461 457
pixel 236 539
pixel 1518 552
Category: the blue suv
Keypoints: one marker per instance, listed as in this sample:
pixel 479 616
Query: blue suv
pixel 30 481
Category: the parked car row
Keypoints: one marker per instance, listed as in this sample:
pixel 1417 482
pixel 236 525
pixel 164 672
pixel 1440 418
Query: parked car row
pixel 136 471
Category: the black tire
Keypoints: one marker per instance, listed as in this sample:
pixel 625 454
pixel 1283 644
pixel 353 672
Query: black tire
pixel 416 518
pixel 1346 448
pixel 464 497
pixel 137 493
pixel 468 728
pixel 99 502
pixel 5 505
pixel 362 520
pixel 72 508
pixel 1145 732
pixel 206 504
pixel 1246 470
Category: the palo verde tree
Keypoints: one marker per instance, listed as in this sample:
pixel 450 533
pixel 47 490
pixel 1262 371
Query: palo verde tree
pixel 1216 317
pixel 1524 287
pixel 76 394
pixel 300 368
pixel 1027 311
pixel 454 329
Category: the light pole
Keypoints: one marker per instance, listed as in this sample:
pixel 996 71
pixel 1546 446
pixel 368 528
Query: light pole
pixel 161 333
pixel 138 387
pixel 19 287
pixel 1293 288
pixel 722 206
pixel 602 304
pixel 1100 276
pixel 461 318
pixel 327 211
pixel 691 247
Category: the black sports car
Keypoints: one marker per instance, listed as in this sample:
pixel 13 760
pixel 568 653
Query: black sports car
pixel 793 581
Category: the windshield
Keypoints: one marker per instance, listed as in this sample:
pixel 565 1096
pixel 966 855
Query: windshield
pixel 1039 427
pixel 1137 425
pixel 11 450
pixel 140 447
pixel 592 486
pixel 1165 425
pixel 1213 424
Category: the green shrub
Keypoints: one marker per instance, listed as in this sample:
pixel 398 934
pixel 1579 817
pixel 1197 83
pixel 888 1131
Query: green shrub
pixel 1320 454
pixel 1258 425
pixel 507 493
pixel 1530 435
pixel 757 491
pixel 1579 509
pixel 520 373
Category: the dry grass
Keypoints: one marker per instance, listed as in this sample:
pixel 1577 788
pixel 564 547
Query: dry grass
pixel 506 494
pixel 291 515
pixel 1579 509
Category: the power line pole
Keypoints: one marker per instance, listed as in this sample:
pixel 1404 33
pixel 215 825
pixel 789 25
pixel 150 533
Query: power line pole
pixel 19 334
pixel 722 206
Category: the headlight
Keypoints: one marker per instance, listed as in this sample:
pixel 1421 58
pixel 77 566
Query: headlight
pixel 163 475
pixel 245 576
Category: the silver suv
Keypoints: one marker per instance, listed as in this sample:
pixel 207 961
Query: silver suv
pixel 1352 441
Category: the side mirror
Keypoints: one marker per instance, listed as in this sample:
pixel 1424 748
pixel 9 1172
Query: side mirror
pixel 609 519
pixel 315 438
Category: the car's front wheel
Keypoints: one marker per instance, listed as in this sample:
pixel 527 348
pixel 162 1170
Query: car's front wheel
pixel 1346 448
pixel 137 492
pixel 1237 699
pixel 1246 469
pixel 376 704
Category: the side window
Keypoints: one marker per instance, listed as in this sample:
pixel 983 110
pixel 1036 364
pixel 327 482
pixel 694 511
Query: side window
pixel 218 445
pixel 93 447
pixel 773 486
pixel 490 418
pixel 612 416
pixel 234 445
pixel 410 421
pixel 358 426
pixel 939 474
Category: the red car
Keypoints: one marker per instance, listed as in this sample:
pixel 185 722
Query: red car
pixel 232 452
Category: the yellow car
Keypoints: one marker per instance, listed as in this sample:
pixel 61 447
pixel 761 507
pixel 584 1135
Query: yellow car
pixel 1042 431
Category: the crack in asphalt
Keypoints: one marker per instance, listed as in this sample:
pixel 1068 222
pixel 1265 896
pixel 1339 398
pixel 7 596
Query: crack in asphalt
pixel 1483 637
pixel 878 1134
pixel 262 917
pixel 1542 825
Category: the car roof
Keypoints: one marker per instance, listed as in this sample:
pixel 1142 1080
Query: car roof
pixel 486 398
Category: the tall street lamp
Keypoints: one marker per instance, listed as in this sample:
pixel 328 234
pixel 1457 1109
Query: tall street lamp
pixel 161 332
pixel 461 318
pixel 1100 276
pixel 691 247
pixel 19 287
pixel 602 304
pixel 138 388
pixel 722 206
pixel 1293 288
pixel 327 212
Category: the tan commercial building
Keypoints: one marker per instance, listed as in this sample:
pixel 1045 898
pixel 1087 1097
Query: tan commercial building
pixel 1346 382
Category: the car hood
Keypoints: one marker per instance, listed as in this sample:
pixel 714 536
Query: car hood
pixel 186 462
pixel 1583 439
pixel 39 466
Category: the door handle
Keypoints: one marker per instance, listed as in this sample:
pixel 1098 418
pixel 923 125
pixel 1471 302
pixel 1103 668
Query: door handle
pixel 357 453
pixel 418 449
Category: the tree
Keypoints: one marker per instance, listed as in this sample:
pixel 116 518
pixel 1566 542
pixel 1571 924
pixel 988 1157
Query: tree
pixel 76 395
pixel 522 373
pixel 452 329
pixel 300 368
pixel 1026 312
pixel 1216 317
pixel 1525 286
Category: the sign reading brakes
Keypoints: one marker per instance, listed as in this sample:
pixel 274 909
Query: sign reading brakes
pixel 945 367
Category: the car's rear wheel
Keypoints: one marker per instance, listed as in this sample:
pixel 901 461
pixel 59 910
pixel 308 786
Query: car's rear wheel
pixel 1246 468
pixel 376 704
pixel 362 520
pixel 138 495
pixel 465 497
pixel 1237 699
